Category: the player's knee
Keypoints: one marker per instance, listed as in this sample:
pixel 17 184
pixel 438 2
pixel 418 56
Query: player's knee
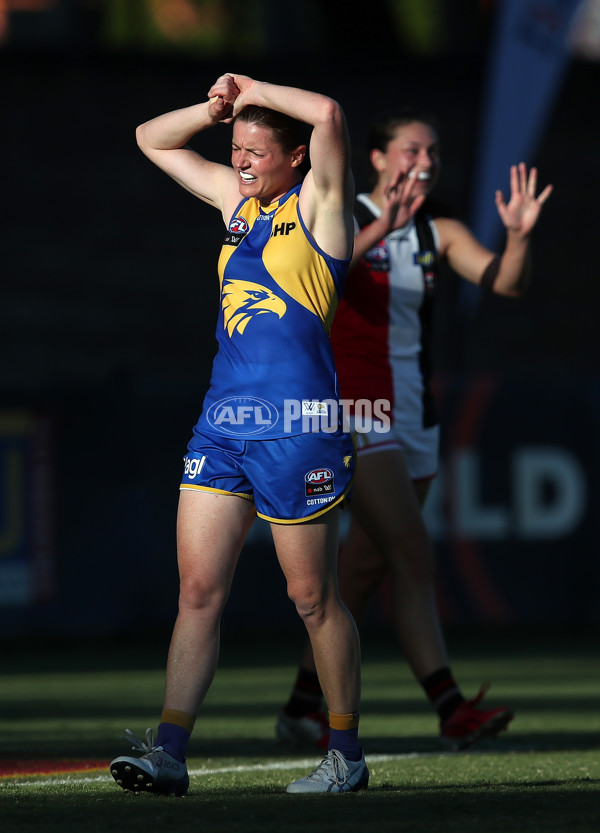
pixel 360 573
pixel 416 559
pixel 202 594
pixel 310 602
pixel 370 577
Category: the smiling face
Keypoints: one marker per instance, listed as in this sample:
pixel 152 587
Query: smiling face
pixel 265 170
pixel 414 150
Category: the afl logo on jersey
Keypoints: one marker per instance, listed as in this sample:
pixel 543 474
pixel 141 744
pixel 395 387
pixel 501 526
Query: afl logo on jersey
pixel 238 225
pixel 237 230
pixel 242 415
pixel 377 253
pixel 318 482
pixel 378 259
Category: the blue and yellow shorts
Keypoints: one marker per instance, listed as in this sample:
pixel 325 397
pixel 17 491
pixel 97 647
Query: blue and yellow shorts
pixel 290 480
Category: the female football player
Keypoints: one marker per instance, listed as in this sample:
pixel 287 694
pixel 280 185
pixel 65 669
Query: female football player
pixel 256 448
pixel 382 346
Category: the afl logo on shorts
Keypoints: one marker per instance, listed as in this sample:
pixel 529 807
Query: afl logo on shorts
pixel 238 229
pixel 318 482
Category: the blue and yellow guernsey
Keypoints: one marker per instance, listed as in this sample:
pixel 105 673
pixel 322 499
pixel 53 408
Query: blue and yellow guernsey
pixel 274 370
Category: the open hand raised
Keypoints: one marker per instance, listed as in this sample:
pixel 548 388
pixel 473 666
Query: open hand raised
pixel 521 212
pixel 399 204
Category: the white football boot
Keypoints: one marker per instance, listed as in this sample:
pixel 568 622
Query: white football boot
pixel 155 771
pixel 334 774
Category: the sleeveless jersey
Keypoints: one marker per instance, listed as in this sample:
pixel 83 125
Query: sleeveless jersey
pixel 279 293
pixel 381 333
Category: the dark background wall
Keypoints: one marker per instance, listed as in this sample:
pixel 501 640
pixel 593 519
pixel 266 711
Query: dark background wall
pixel 108 309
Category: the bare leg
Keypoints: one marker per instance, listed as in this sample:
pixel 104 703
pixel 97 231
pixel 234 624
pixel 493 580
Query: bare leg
pixel 388 533
pixel 211 530
pixel 308 557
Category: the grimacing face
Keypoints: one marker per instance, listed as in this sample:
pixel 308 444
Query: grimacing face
pixel 263 168
pixel 414 150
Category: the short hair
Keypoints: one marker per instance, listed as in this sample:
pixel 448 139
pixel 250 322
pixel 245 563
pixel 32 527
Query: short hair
pixel 383 131
pixel 288 131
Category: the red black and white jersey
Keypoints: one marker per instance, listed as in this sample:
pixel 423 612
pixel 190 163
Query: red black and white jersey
pixel 381 333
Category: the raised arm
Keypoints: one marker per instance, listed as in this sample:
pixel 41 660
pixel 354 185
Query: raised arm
pixel 327 192
pixel 164 141
pixel 508 273
pixel 399 206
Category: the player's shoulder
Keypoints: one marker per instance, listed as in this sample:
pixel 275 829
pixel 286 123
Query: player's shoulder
pixel 362 211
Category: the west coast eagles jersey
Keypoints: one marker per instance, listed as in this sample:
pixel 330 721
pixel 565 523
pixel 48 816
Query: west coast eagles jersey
pixel 279 293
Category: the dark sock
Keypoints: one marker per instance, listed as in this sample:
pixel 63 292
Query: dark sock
pixel 306 696
pixel 443 692
pixel 346 742
pixel 343 735
pixel 173 739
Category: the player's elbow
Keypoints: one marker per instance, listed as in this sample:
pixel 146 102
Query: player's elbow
pixel 508 293
pixel 140 135
pixel 330 114
pixel 514 289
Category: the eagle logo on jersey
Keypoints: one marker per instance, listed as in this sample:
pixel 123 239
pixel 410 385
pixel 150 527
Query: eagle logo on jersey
pixel 243 300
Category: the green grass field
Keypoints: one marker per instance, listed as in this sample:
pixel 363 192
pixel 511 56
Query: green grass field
pixel 74 702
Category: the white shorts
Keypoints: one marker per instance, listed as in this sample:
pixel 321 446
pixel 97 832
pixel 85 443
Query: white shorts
pixel 420 446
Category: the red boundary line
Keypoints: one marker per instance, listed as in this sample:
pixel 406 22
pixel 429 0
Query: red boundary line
pixel 12 769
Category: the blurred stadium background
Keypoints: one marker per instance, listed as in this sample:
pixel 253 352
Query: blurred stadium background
pixel 109 292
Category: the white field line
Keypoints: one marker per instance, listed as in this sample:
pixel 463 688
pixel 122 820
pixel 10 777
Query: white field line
pixel 272 766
